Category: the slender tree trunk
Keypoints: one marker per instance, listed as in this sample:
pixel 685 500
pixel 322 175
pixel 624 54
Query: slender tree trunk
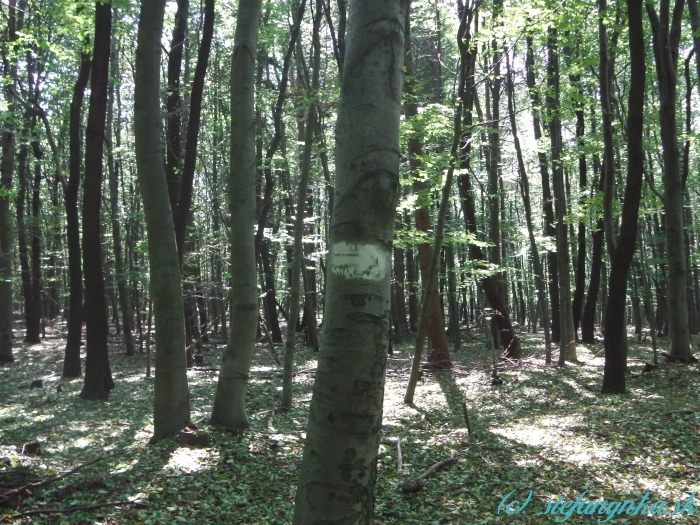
pixel 510 341
pixel 298 265
pixel 7 168
pixel 30 314
pixel 581 252
pixel 193 124
pixel 229 403
pixel 438 355
pixel 615 322
pixel 452 297
pixel 547 199
pixel 122 293
pixel 346 409
pixel 608 145
pixel 567 343
pixel 525 193
pixel 270 298
pixel 666 33
pixel 401 325
pixel 98 375
pixel 411 275
pixel 588 317
pixel 171 395
pixel 71 363
pixel 493 95
pixel 695 26
pixel 173 153
pixel 37 283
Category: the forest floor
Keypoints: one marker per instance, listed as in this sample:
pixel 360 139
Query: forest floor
pixel 544 429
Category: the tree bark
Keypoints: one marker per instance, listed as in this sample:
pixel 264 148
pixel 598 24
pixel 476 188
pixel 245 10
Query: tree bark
pixel 438 354
pixel 98 375
pixel 23 252
pixel 666 29
pixel 71 362
pixel 588 317
pixel 122 293
pixel 695 26
pixel 193 124
pixel 171 396
pixel 298 262
pixel 608 145
pixel 615 319
pixel 401 324
pixel 510 341
pixel 346 409
pixel 567 342
pixel 229 403
pixel 525 193
pixel 173 153
pixel 547 199
pixel 7 168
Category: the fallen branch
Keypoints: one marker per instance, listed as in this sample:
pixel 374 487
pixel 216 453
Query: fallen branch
pixel 416 484
pixel 679 413
pixel 305 371
pixel 399 457
pixel 6 496
pixel 74 509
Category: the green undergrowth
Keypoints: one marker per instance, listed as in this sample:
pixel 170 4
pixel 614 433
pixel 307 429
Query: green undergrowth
pixel 544 429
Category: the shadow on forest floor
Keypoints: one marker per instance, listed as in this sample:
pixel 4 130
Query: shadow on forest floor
pixel 545 430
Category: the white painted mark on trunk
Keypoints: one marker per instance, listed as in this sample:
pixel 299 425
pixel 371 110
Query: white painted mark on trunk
pixel 360 261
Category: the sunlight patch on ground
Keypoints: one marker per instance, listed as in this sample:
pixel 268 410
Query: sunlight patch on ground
pixel 136 378
pixel 189 460
pixel 82 443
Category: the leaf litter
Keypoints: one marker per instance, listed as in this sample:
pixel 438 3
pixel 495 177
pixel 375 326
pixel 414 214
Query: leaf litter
pixel 545 430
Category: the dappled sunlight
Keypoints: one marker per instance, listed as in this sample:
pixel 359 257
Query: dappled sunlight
pixel 190 460
pixel 544 428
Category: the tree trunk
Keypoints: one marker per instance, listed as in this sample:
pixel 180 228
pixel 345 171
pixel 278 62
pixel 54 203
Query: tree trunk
pixel 173 151
pixel 411 275
pixel 438 355
pixel 666 34
pixel 401 325
pixel 98 375
pixel 452 297
pixel 511 343
pixel 346 409
pixel 525 193
pixel 270 298
pixel 615 322
pixel 547 199
pixel 171 396
pixel 7 169
pixel 71 363
pixel 298 263
pixel 695 26
pixel 567 342
pixel 608 176
pixel 122 293
pixel 30 314
pixel 577 305
pixel 193 124
pixel 229 403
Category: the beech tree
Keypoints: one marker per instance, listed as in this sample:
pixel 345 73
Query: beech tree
pixel 338 469
pixel 229 403
pixel 98 376
pixel 615 322
pixel 171 403
pixel 7 168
